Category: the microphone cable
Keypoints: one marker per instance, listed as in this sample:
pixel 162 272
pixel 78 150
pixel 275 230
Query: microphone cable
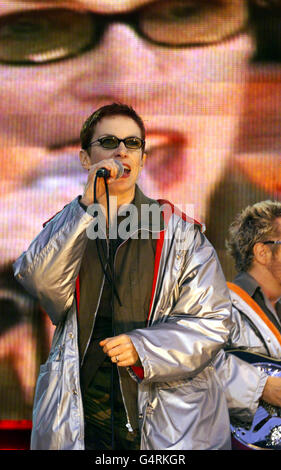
pixel 109 261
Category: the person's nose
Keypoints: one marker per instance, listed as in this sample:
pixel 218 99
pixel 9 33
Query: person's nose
pixel 121 151
pixel 113 67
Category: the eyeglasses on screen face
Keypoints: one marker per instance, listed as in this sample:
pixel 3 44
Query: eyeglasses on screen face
pixel 38 36
pixel 272 242
pixel 112 142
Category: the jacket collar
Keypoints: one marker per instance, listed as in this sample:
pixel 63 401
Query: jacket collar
pixel 246 282
pixel 251 286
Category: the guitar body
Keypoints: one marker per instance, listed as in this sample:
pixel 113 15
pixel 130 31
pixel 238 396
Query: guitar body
pixel 264 433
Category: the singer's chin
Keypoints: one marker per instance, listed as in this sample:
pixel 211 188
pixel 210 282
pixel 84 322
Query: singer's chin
pixel 120 185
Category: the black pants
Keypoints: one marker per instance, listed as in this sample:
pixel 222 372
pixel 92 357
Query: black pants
pixel 101 431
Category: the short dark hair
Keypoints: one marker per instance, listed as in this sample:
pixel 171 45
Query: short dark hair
pixel 113 109
pixel 256 223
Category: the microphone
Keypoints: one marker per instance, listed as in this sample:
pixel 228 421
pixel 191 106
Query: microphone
pixel 105 173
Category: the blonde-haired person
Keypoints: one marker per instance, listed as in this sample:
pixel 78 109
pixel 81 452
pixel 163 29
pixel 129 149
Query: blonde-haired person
pixel 254 242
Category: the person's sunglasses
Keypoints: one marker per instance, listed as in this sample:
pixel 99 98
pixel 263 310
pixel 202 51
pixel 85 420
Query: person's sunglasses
pixel 43 35
pixel 272 242
pixel 112 142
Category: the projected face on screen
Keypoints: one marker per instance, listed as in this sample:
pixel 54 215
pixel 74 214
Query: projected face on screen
pixel 180 64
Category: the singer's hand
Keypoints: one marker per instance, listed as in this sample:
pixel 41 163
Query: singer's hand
pixel 121 350
pixel 88 195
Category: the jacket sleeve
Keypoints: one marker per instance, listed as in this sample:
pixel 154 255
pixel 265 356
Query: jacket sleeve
pixel 185 341
pixel 242 383
pixel 49 268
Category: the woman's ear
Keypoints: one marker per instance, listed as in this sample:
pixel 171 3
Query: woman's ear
pixel 143 159
pixel 85 159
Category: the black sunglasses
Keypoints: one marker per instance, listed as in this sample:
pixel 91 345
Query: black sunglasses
pixel 112 142
pixel 39 36
pixel 272 242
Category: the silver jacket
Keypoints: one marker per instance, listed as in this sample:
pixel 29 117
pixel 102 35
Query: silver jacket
pixel 182 400
pixel 251 331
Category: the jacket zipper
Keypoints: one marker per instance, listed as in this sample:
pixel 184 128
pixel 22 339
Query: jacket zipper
pixel 128 425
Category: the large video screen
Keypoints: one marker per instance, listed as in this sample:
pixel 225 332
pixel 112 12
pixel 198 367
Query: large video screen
pixel 204 75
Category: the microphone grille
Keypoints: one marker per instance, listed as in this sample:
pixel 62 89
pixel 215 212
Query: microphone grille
pixel 120 169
